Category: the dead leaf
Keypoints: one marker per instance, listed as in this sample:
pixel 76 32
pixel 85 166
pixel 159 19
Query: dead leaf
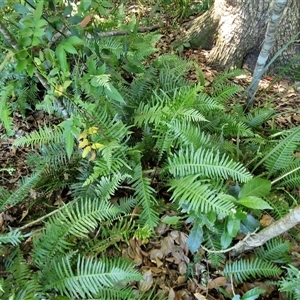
pixel 220 281
pixel 198 296
pixel 85 21
pixel 147 282
pixel 266 220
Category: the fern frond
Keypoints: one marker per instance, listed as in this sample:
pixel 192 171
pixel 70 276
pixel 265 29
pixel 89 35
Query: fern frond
pixel 197 196
pixel 242 270
pixel 6 109
pixel 282 154
pixel 212 242
pixel 22 192
pixel 206 163
pixel 192 115
pixel 205 103
pixel 188 134
pixel 145 196
pixel 221 78
pixel 274 250
pixel 77 219
pixel 13 237
pixel 89 276
pixel 44 135
pixel 259 116
pixel 291 175
pixel 224 92
pixel 290 283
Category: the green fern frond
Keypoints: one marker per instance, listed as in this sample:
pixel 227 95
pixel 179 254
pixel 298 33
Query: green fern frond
pixel 78 219
pixel 207 164
pixel 84 215
pixel 145 196
pixel 274 250
pixel 280 207
pixel 222 77
pixel 242 270
pixel 6 109
pixel 197 196
pixel 282 154
pixel 192 115
pixel 224 92
pixel 149 113
pixel 291 175
pixel 113 45
pixel 188 134
pixel 89 276
pixel 21 193
pixel 44 135
pixel 13 237
pixel 212 242
pixel 205 103
pixel 258 116
pixel 50 155
pixel 290 283
pixel 174 64
pixel 142 86
pixel 110 126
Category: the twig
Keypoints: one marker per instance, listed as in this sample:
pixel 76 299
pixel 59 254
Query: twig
pixel 40 219
pixel 103 34
pixel 231 248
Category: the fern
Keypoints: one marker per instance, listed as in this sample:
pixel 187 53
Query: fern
pixel 208 164
pixel 197 196
pixel 291 175
pixel 242 270
pixel 280 156
pixel 290 283
pixel 274 250
pixel 90 278
pixel 21 193
pixel 259 116
pixel 78 220
pixel 224 92
pixel 13 237
pixel 6 109
pixel 145 196
pixel 44 135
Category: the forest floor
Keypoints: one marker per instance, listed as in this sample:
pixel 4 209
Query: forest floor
pixel 164 260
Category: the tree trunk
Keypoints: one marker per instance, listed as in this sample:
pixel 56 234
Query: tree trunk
pixel 234 30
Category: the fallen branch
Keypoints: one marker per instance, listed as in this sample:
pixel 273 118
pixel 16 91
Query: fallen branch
pixel 275 229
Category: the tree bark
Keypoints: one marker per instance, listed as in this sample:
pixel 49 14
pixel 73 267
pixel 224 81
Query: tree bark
pixel 235 29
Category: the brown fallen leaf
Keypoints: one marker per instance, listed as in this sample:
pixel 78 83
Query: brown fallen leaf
pixel 147 282
pixel 220 281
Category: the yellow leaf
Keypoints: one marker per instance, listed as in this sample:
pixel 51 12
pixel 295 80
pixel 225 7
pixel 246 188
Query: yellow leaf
pixel 58 90
pixel 93 156
pixel 83 143
pixel 86 151
pixel 92 130
pixel 82 135
pixel 97 146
